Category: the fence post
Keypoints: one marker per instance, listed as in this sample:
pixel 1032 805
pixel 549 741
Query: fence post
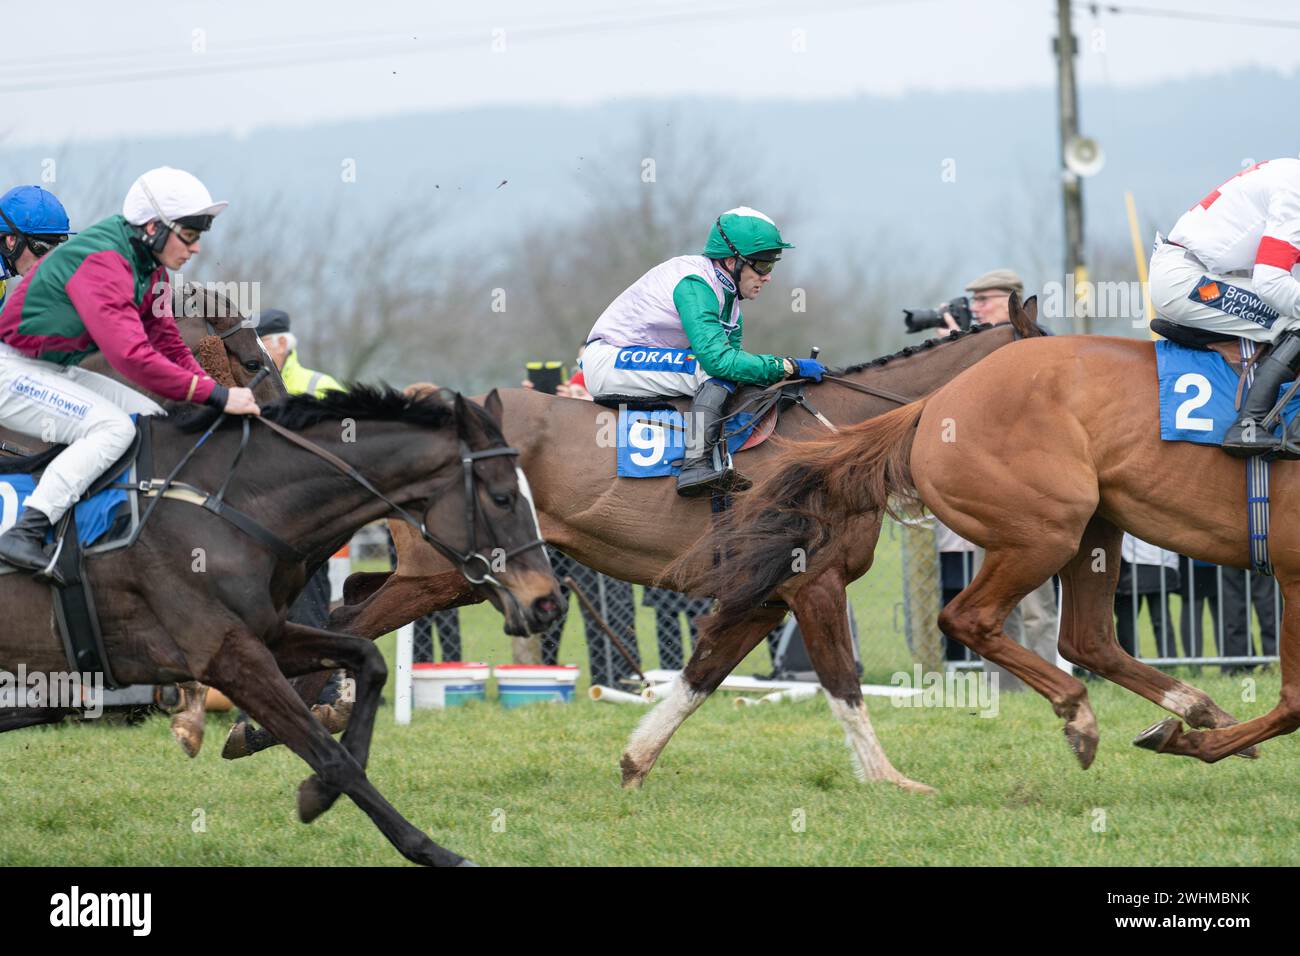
pixel 402 695
pixel 921 592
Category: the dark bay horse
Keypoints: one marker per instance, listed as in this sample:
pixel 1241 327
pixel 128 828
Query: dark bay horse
pixel 165 618
pixel 1042 454
pixel 230 350
pixel 634 529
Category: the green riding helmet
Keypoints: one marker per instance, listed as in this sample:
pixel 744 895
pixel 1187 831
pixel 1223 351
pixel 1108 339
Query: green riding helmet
pixel 751 234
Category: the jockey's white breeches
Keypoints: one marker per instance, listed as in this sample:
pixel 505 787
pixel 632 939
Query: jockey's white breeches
pixel 88 412
pixel 1176 280
pixel 605 378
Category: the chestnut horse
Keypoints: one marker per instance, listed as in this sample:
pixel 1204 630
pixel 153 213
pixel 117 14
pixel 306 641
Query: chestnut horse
pixel 634 529
pixel 1041 454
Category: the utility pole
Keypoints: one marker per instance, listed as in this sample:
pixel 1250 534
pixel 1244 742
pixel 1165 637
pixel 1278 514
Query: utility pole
pixel 1071 186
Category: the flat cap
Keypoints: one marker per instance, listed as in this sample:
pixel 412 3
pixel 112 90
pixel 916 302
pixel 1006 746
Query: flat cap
pixel 272 321
pixel 997 279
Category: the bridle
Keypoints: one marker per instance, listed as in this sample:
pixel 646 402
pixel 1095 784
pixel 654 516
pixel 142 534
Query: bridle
pixel 215 503
pixel 463 559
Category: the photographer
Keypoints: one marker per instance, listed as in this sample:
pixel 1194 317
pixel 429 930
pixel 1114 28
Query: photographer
pixel 987 301
pixel 1034 623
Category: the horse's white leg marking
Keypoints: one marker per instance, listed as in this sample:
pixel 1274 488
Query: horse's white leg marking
pixel 658 726
pixel 869 760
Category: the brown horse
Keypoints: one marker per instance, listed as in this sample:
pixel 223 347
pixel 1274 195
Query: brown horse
pixel 634 529
pixel 1041 454
pixel 165 619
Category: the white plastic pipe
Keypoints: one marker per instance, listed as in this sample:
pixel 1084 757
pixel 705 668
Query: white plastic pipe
pixel 793 693
pixel 611 696
pixel 657 692
pixel 405 654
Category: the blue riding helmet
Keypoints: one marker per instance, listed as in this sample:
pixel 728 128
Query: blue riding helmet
pixel 37 218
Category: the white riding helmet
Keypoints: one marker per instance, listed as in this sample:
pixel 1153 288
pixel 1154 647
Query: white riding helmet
pixel 168 195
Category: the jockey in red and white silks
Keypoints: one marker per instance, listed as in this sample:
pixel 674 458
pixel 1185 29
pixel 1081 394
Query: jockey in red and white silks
pixel 1229 265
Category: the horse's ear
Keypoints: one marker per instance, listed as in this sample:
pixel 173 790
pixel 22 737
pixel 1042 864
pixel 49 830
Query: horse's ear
pixel 493 405
pixel 463 419
pixel 1024 318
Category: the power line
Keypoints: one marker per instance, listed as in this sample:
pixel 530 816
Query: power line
pixel 270 56
pixel 1227 18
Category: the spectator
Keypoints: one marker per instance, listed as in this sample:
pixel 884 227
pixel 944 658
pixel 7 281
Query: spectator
pixel 1223 591
pixel 956 568
pixel 668 607
pixel 1198 585
pixel 447 626
pixel 1151 574
pixel 612 599
pixel 1237 638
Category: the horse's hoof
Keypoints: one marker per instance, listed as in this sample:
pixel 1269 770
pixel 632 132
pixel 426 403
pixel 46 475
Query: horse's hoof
pixel 1250 753
pixel 1157 736
pixel 633 775
pixel 1081 734
pixel 236 742
pixel 467 863
pixel 189 735
pixel 333 717
pixel 314 798
pixel 913 786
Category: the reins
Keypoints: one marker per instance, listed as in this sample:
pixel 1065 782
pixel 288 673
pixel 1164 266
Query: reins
pixel 215 503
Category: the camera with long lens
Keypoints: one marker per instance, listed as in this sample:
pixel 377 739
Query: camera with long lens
pixel 918 320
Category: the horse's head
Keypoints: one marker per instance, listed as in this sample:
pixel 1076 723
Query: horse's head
pixel 228 346
pixel 487 512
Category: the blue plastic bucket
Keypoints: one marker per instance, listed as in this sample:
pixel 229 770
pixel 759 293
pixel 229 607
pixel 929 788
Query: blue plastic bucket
pixel 520 684
pixel 450 684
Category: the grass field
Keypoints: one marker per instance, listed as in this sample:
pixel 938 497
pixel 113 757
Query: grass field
pixel 539 785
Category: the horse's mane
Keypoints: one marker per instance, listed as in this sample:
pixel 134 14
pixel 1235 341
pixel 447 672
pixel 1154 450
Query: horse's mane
pixel 911 350
pixel 360 402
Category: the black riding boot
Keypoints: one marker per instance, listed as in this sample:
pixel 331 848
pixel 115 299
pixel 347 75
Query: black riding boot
pixel 1246 438
pixel 704 429
pixel 23 545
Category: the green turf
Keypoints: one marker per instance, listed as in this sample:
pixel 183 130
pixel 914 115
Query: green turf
pixel 539 785
pixel 727 791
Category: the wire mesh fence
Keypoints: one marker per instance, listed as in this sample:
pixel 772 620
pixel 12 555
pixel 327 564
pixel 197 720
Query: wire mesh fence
pixel 1169 611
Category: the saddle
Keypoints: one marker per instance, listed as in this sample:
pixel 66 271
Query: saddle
pixel 762 407
pixel 1229 346
pixel 74 605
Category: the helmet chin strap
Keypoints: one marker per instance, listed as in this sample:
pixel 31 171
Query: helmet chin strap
pixel 158 241
pixel 735 276
pixel 735 254
pixel 10 259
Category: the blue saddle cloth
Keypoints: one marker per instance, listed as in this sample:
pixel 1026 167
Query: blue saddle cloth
pixel 651 444
pixel 1198 391
pixel 94 515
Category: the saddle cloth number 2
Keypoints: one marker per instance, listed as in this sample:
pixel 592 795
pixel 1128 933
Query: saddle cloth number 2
pixel 1183 418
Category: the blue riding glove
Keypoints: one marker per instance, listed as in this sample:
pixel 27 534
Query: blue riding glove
pixel 809 368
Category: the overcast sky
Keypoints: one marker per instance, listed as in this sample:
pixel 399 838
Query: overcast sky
pixel 108 70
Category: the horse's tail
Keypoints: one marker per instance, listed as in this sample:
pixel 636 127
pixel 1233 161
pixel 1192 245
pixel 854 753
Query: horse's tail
pixel 775 530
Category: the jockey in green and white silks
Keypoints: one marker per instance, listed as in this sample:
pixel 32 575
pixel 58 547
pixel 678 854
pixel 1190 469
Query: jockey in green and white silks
pixel 677 331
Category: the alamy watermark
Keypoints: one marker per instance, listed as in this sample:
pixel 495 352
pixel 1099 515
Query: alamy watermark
pixel 952 688
pixel 215 300
pixel 62 690
pixel 1098 300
